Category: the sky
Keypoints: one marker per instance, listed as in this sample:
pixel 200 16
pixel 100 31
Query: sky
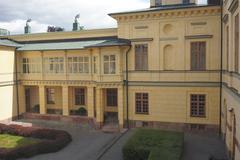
pixel 44 13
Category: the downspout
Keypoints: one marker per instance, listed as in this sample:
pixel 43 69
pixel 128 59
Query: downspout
pixel 16 81
pixel 221 72
pixel 126 83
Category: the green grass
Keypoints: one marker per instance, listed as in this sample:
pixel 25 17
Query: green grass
pixel 11 141
pixel 152 144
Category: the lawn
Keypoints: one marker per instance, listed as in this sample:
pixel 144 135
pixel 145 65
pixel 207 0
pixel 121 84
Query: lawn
pixel 152 144
pixel 11 141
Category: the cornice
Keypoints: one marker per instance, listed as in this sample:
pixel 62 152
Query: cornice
pixel 169 14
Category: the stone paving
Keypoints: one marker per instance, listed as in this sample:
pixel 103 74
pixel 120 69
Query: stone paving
pixel 88 144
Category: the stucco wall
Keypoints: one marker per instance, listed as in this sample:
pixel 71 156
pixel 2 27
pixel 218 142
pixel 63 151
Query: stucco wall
pixel 7 88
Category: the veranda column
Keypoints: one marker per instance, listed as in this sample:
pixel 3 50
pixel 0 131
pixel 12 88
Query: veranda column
pixel 42 99
pixel 90 101
pixel 65 100
pixel 22 103
pixel 120 107
pixel 99 107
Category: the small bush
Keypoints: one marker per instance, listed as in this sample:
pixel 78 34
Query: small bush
pixel 81 111
pixel 150 144
pixel 36 108
pixel 50 141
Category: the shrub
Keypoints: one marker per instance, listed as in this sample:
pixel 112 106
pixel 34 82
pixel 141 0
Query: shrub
pixel 150 144
pixel 51 141
pixel 81 111
pixel 36 108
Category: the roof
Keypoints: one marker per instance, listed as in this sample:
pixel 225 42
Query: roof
pixel 68 45
pixel 9 43
pixel 166 7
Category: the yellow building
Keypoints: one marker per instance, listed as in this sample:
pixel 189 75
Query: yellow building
pixel 162 67
pixel 230 115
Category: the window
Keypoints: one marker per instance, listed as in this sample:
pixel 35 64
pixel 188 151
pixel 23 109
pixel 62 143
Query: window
pixel 78 64
pixel 31 65
pixel 237 43
pixel 141 57
pixel 79 96
pixel 109 64
pixel 54 65
pixel 141 103
pixel 186 1
pixel 50 96
pixel 198 105
pixel 112 97
pixel 95 64
pixel 198 56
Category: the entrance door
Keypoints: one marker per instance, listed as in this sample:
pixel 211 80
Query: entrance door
pixel 111 109
pixel 110 118
pixel 27 99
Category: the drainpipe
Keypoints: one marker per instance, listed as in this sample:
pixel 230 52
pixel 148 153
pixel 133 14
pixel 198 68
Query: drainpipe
pixel 221 72
pixel 126 81
pixel 16 81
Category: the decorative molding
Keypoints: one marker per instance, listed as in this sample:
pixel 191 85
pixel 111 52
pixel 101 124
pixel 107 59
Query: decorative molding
pixel 70 83
pixel 198 36
pixel 141 27
pixel 173 71
pixel 169 39
pixel 174 84
pixel 225 18
pixel 141 39
pixel 162 14
pixel 198 23
pixel 233 6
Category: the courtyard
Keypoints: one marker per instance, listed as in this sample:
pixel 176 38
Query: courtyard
pixel 91 144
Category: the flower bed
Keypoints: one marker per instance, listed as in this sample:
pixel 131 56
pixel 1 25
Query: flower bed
pixel 49 140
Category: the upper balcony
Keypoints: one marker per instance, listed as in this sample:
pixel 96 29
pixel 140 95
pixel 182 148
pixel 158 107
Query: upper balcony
pixel 86 60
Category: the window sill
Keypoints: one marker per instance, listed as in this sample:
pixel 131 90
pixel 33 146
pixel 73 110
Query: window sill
pixel 142 114
pixel 198 116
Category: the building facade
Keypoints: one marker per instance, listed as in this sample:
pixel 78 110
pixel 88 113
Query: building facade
pixel 163 67
pixel 230 115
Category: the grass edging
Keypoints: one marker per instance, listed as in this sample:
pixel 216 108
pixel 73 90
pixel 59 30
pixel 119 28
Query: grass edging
pixel 50 141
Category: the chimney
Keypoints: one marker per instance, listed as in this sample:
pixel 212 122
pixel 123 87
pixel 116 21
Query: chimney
pixel 155 3
pixel 27 28
pixel 76 25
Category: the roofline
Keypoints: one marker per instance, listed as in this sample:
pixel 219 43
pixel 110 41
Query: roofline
pixel 157 9
pixel 64 40
pixel 59 33
pixel 73 49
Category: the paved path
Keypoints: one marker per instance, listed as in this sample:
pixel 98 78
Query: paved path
pixel 86 145
pixel 199 147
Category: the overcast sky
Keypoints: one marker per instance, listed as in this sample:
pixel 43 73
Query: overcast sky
pixel 62 12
